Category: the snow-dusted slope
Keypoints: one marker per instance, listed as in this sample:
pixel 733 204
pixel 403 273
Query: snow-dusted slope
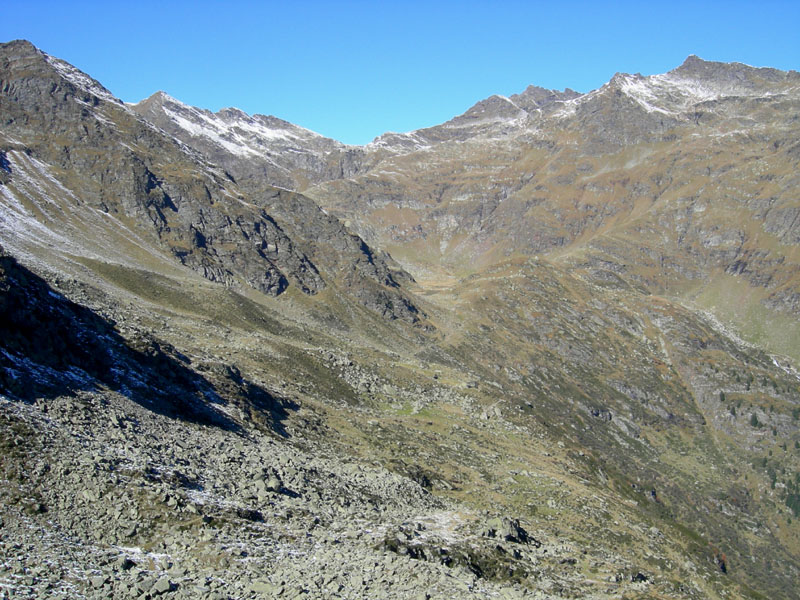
pixel 235 130
pixel 695 82
pixel 258 149
pixel 79 79
pixel 676 92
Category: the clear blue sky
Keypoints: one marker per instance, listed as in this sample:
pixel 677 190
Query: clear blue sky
pixel 353 70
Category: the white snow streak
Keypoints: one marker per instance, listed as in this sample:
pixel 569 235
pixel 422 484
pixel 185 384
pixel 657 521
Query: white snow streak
pixel 212 132
pixel 237 132
pixel 80 79
pixel 16 221
pixel 668 94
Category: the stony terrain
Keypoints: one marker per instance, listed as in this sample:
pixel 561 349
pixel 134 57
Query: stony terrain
pixel 210 387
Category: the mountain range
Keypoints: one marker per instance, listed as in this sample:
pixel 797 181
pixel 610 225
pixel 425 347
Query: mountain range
pixel 546 349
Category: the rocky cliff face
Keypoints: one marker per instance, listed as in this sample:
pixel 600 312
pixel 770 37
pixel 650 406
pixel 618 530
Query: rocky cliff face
pixel 71 130
pixel 210 386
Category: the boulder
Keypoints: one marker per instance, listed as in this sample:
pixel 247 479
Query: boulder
pixel 509 530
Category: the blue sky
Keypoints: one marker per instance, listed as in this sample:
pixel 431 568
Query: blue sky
pixel 353 70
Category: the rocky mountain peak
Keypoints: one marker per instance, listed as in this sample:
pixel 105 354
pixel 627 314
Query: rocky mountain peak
pixel 732 78
pixel 493 107
pixel 23 58
pixel 676 93
pixel 255 147
pixel 240 129
pixel 692 62
pixel 535 97
pixel 20 48
pixel 159 98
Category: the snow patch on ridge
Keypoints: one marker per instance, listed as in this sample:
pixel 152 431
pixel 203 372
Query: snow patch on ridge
pixel 691 90
pixel 667 94
pixel 406 141
pixel 570 107
pixel 638 89
pixel 80 79
pixel 671 93
pixel 236 131
pixel 210 130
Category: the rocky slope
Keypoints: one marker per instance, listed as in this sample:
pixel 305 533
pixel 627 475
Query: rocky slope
pixel 210 388
pixel 108 170
pixel 257 149
pixel 683 183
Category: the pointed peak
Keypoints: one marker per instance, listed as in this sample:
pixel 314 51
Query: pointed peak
pixel 626 77
pixel 740 75
pixel 20 47
pixel 693 60
pixel 153 99
pixel 23 52
pixel 162 96
pixel 493 106
pixel 697 67
pixel 74 76
pixel 535 97
pixel 618 81
pixel 161 99
pixel 535 89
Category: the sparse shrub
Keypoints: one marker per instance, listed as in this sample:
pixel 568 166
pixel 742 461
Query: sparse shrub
pixel 793 502
pixel 754 420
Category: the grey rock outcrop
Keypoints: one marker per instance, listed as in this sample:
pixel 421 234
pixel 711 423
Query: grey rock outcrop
pixel 110 159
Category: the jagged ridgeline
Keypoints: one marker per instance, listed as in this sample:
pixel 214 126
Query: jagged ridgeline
pixel 576 377
pixel 128 173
